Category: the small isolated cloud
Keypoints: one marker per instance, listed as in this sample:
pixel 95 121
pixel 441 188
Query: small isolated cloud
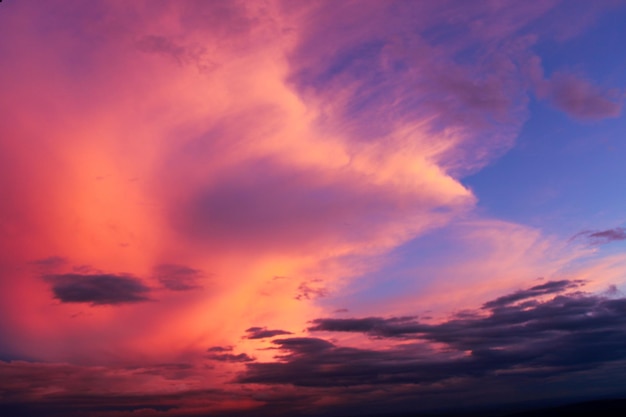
pixel 308 292
pixel 580 98
pixel 601 237
pixel 177 277
pixel 263 332
pixel 98 289
pixel 220 349
pixel 230 357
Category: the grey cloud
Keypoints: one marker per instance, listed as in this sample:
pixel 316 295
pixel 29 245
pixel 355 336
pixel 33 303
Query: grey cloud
pixel 263 332
pixel 220 349
pixel 231 357
pixel 98 289
pixel 551 287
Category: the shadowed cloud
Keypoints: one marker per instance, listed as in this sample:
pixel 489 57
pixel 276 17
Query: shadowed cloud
pixel 538 290
pixel 567 333
pixel 262 333
pixel 98 289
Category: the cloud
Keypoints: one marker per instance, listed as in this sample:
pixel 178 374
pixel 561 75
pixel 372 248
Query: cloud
pixel 177 277
pixel 601 237
pixel 575 95
pixel 551 287
pixel 308 292
pixel 182 55
pixel 262 333
pixel 51 262
pixel 98 289
pixel 582 99
pixel 220 349
pixel 231 357
pixel 567 333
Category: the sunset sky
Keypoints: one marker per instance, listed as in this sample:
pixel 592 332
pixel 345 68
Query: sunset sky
pixel 294 207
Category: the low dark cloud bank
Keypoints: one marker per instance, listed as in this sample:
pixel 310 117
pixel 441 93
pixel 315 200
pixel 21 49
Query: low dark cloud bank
pixel 521 334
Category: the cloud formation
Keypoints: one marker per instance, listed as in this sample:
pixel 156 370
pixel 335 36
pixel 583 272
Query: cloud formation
pixel 263 332
pixel 520 335
pixel 98 289
pixel 602 237
pixel 314 141
pixel 177 277
pixel 580 98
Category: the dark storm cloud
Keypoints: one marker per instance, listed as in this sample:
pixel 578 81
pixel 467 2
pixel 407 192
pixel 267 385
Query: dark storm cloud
pixel 534 338
pixel 177 277
pixel 98 289
pixel 263 332
pixel 600 237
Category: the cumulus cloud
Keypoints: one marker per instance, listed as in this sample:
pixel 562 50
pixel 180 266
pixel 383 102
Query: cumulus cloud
pixel 98 289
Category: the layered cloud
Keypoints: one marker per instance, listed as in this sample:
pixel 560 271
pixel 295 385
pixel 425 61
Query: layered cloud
pixel 520 334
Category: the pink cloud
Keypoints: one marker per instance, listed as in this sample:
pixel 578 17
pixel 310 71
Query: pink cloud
pixel 194 150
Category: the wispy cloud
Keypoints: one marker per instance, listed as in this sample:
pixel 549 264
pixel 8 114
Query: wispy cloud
pixel 177 277
pixel 601 237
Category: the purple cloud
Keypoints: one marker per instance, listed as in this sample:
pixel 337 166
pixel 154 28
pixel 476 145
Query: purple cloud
pixel 601 237
pixel 98 289
pixel 581 99
pixel 263 332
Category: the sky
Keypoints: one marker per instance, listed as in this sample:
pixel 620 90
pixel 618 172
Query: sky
pixel 293 207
